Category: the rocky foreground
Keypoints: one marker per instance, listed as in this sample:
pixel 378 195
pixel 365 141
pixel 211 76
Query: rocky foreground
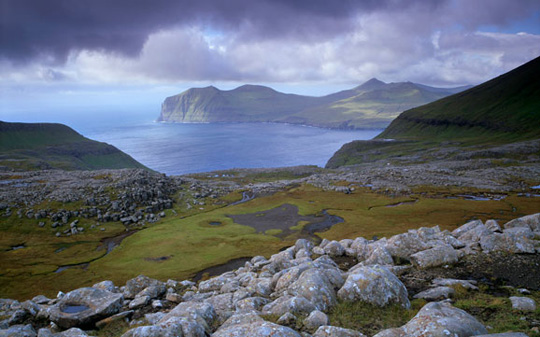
pixel 291 293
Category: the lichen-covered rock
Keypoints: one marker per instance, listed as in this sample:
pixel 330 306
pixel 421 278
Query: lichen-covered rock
pixel 293 304
pixel 314 286
pixel 379 256
pixel 138 284
pixel 202 313
pixel 434 257
pixel 475 234
pixel 406 244
pixel 466 227
pixel 315 319
pixel 251 304
pixel 493 226
pixel 448 282
pixel 523 303
pixel 334 331
pixel 252 325
pixel 531 221
pixel 504 334
pixel 215 283
pixel 18 331
pixel 334 248
pixel 442 319
pixel 375 285
pixel 393 332
pixel 73 332
pixel 436 294
pixel 85 306
pixel 106 285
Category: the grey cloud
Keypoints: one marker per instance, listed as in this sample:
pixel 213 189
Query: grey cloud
pixel 51 29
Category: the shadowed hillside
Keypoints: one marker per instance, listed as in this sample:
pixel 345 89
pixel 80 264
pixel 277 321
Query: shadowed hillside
pixel 44 145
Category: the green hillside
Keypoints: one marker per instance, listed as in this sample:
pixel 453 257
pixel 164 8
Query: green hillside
pixel 505 108
pixel 43 145
pixel 371 105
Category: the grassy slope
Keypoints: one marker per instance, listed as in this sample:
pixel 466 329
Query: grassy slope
pixel 45 145
pixel 506 108
pixel 503 110
pixel 373 104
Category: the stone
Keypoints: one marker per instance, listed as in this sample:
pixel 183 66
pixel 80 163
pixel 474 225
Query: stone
pixel 293 304
pixel 315 286
pixel 466 227
pixel 19 331
pixel 379 256
pixel 393 332
pixel 523 303
pixel 442 319
pixel 475 234
pixel 114 318
pixel 504 334
pixel 85 306
pixel 251 304
pixel 139 302
pixel 375 285
pixel 18 317
pixel 467 284
pixel 154 318
pixel 493 226
pixel 106 285
pixel 153 291
pixel 173 297
pixel 201 313
pixel 404 245
pixel 531 221
pixel 40 299
pixel 252 325
pixel 436 294
pixel 303 244
pixel 333 331
pixel 334 248
pixel 315 319
pixel 138 284
pixel 287 319
pixel 434 257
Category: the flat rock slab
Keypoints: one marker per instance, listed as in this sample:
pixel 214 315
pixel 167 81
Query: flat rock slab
pixel 85 306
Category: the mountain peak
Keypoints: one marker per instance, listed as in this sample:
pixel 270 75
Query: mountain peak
pixel 371 84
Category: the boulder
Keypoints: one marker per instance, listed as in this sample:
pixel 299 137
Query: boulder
pixel 334 248
pixel 251 304
pixel 475 234
pixel 434 257
pixel 493 226
pixel 138 284
pixel 106 285
pixel 523 303
pixel 379 256
pixel 202 314
pixel 376 285
pixel 406 244
pixel 334 331
pixel 18 331
pixel 85 306
pixel 315 286
pixel 448 282
pixel 436 294
pixel 442 319
pixel 293 304
pixel 315 319
pixel 287 319
pixel 252 325
pixel 531 221
pixel 393 332
pixel 466 227
pixel 504 334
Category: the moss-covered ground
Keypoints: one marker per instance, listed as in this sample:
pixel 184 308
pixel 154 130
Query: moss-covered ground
pixel 191 243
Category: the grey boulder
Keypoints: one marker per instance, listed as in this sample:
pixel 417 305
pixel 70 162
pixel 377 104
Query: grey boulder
pixel 85 306
pixel 434 257
pixel 334 331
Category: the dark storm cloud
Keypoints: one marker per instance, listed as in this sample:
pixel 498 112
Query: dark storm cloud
pixel 51 29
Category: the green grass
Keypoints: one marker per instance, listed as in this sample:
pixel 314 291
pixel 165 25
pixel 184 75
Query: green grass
pixel 192 244
pixel 496 312
pixel 370 319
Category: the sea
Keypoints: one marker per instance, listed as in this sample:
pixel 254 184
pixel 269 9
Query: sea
pixel 178 148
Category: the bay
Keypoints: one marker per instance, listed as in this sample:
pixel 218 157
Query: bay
pixel 176 149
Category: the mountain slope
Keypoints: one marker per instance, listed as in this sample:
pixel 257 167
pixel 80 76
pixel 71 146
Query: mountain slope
pixel 506 108
pixel 46 145
pixel 371 105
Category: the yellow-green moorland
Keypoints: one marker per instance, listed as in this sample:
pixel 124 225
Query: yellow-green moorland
pixel 181 245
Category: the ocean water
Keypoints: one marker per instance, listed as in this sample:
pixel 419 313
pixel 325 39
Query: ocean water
pixel 177 149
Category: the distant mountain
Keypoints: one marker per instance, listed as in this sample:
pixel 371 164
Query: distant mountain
pixel 504 108
pixel 371 105
pixel 27 146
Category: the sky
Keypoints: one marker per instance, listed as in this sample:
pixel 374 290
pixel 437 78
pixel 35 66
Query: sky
pixel 62 59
